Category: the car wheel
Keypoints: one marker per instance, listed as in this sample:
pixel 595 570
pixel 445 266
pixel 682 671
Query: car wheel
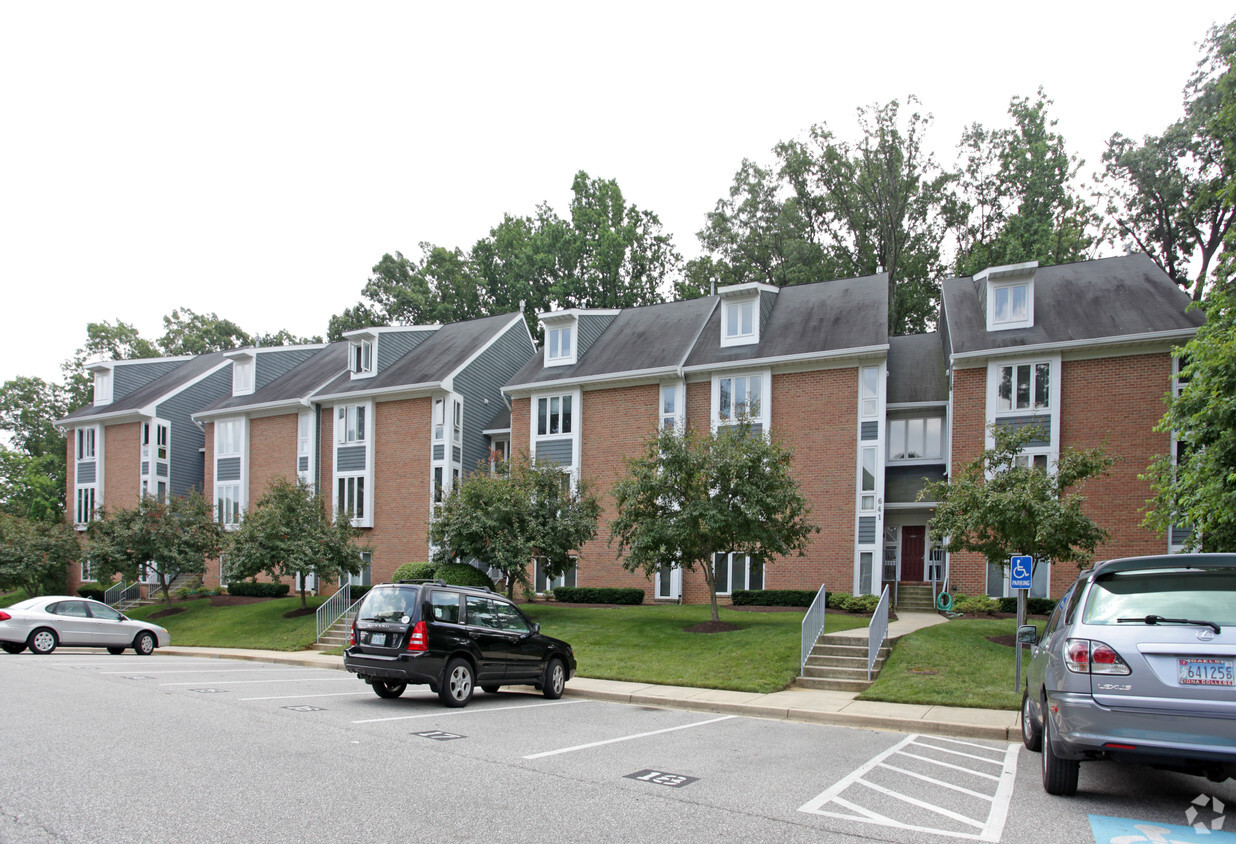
pixel 388 689
pixel 1031 731
pixel 13 647
pixel 555 679
pixel 490 689
pixel 456 687
pixel 1059 775
pixel 144 644
pixel 42 641
pixel 115 649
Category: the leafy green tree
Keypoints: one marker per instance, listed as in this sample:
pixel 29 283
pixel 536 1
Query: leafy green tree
pixel 997 508
pixel 186 332
pixel 1166 194
pixel 166 538
pixel 1199 488
pixel 1016 197
pixel 104 341
pixel 290 532
pixel 32 466
pixel 521 511
pixel 283 337
pixel 32 487
pixel 690 495
pixel 34 552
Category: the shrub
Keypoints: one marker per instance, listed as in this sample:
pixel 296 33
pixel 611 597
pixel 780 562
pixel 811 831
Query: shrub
pixel 462 574
pixel 356 591
pixel 254 589
pixel 836 600
pixel 184 592
pixel 773 597
pixel 92 590
pixel 415 571
pixel 861 603
pixel 1034 606
pixel 976 604
pixel 598 595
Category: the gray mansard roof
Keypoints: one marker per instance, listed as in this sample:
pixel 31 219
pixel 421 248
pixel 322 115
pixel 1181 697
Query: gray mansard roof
pixel 917 369
pixel 1088 302
pixel 292 386
pixel 803 321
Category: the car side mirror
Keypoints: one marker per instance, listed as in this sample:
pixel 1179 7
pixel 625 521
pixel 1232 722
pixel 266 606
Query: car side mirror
pixel 536 628
pixel 1028 635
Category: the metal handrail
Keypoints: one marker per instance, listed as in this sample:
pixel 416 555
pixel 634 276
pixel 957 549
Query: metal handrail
pixel 813 626
pixel 335 608
pixel 877 631
pixel 122 593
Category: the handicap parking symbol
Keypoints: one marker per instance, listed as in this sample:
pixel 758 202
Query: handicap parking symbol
pixel 1020 572
pixel 1109 830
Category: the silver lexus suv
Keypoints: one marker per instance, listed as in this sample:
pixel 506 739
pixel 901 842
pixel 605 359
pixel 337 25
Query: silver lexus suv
pixel 1136 664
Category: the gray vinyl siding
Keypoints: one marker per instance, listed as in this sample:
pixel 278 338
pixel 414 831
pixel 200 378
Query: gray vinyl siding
pixel 86 472
pixel 273 364
pixel 1042 422
pixel 393 345
pixel 558 452
pixel 866 530
pixel 185 457
pixel 589 328
pixel 439 450
pixel 227 469
pixel 870 430
pixel 480 383
pixel 127 378
pixel 350 458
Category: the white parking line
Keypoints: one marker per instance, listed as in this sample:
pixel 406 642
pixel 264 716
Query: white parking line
pixel 302 697
pixel 271 680
pixel 987 828
pixel 440 713
pixel 213 670
pixel 628 738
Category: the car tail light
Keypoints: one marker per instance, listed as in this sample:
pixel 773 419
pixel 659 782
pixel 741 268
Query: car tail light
pixel 418 639
pixel 1086 656
pixel 4 616
pixel 352 636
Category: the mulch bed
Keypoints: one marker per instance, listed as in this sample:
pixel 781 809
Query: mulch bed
pixel 164 613
pixel 234 600
pixel 714 627
pixel 300 611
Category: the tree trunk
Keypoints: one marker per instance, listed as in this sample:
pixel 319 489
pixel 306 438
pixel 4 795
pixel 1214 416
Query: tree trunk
pixel 303 604
pixel 710 580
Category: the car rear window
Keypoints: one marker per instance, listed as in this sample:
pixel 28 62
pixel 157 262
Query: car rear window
pixel 389 605
pixel 1196 594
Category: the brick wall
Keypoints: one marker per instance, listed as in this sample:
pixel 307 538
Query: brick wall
pixel 967 571
pixel 402 481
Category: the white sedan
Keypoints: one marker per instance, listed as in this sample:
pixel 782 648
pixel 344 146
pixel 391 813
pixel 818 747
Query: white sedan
pixel 42 624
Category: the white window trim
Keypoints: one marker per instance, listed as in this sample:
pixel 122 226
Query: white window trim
pixel 577 407
pixel 1005 325
pixel 361 343
pixel 1053 409
pixel 366 521
pixel 148 452
pixel 563 358
pixel 912 461
pixel 305 444
pixel 97 487
pixel 727 339
pixel 559 581
pixel 103 386
pixel 880 450
pixel 443 407
pixel 729 562
pixel 675 585
pixel 679 416
pixel 242 441
pixel 244 374
pixel 763 417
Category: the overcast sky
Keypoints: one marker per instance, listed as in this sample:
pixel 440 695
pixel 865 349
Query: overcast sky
pixel 256 159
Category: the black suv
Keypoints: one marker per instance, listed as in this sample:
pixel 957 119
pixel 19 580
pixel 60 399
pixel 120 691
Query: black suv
pixel 451 638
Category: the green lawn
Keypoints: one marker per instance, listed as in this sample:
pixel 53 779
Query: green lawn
pixel 951 664
pixel 260 625
pixel 649 644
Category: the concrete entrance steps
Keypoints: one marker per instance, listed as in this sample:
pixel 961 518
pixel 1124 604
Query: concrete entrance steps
pixel 838 661
pixel 335 636
pixel 915 597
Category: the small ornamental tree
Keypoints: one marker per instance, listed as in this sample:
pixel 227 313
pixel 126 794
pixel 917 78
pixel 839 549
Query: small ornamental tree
pixel 690 495
pixel 521 511
pixel 290 532
pixel 166 538
pixel 34 552
pixel 997 508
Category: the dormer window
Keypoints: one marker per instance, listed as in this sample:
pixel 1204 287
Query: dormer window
pixel 102 387
pixel 242 376
pixel 361 357
pixel 1010 295
pixel 740 313
pixel 561 337
pixel 559 342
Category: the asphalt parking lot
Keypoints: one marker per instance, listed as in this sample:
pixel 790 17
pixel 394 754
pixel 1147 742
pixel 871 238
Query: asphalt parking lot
pixel 110 748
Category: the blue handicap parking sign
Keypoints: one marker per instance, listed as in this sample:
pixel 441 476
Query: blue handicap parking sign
pixel 1019 572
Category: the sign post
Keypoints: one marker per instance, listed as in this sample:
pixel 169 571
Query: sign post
pixel 1020 572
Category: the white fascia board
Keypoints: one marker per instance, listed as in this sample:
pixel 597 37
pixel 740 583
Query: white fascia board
pixel 574 313
pixel 386 394
pixel 489 432
pixel 916 405
pixel 376 330
pixel 632 375
pixel 262 408
pixel 749 363
pixel 1146 339
pixel 750 288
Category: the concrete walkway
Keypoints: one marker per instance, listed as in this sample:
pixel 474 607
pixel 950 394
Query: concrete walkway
pixel 793 704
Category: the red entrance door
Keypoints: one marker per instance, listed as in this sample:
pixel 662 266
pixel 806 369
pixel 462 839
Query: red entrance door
pixel 913 543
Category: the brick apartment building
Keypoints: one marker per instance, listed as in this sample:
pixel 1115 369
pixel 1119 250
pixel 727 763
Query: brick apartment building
pixel 386 421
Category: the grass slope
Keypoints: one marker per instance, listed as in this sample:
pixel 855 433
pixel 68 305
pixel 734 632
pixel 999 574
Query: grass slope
pixel 649 644
pixel 260 625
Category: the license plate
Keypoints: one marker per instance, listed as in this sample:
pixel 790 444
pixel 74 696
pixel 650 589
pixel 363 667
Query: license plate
pixel 1205 671
pixel 377 639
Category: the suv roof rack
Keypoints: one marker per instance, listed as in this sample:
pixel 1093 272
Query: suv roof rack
pixel 440 582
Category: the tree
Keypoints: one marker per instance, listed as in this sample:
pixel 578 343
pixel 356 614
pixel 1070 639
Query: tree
pixel 32 470
pixel 186 332
pixel 283 337
pixel 1015 199
pixel 290 532
pixel 1198 488
pixel 521 512
pixel 998 509
pixel 34 553
pixel 104 341
pixel 164 537
pixel 690 495
pixel 1166 194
